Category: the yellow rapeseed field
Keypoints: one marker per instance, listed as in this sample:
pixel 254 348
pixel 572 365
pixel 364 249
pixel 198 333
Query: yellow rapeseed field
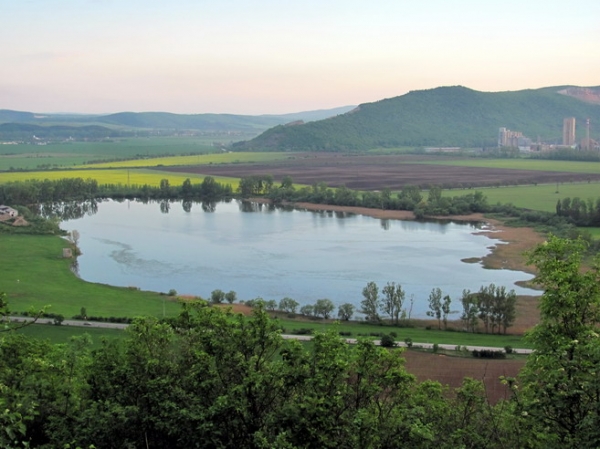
pixel 198 159
pixel 115 176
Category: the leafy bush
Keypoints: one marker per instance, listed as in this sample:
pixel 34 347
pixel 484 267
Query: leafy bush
pixel 387 341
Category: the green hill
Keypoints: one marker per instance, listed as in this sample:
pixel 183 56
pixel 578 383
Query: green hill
pixel 22 125
pixel 29 132
pixel 8 116
pixel 445 116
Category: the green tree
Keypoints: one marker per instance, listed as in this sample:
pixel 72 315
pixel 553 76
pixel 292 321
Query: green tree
pixel 561 382
pixel 324 307
pixel 393 298
pixel 370 303
pixel 288 305
pixel 345 311
pixel 505 303
pixel 271 305
pixel 434 196
pixel 287 183
pixel 209 187
pixel 217 296
pixel 165 187
pixel 485 304
pixel 435 305
pixel 186 188
pixel 470 310
pixel 231 296
pixel 307 310
pixel 446 310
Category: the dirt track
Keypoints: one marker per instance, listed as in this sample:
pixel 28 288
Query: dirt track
pixel 378 172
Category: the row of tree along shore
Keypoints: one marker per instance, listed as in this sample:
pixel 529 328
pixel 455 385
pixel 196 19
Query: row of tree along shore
pixel 570 215
pixel 492 307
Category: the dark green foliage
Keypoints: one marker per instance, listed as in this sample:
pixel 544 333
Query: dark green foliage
pixel 562 386
pixel 580 212
pixel 56 193
pixel 212 379
pixel 488 354
pixel 445 116
pixel 388 341
pixel 345 311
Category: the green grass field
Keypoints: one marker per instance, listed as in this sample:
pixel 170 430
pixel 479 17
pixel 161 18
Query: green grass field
pixel 521 164
pixel 417 334
pixel 68 154
pixel 541 197
pixel 62 334
pixel 34 274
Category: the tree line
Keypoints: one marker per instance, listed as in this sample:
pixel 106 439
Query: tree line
pixel 492 308
pixel 411 198
pixel 209 378
pixel 68 189
pixel 579 212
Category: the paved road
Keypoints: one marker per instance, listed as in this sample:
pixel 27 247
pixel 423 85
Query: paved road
pixel 103 325
pixel 99 324
pixel 422 345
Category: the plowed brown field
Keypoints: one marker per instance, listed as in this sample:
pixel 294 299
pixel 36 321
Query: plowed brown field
pixel 452 370
pixel 378 172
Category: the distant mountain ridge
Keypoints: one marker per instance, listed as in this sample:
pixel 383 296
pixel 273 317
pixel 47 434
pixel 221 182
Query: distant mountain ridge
pixel 444 116
pixel 165 120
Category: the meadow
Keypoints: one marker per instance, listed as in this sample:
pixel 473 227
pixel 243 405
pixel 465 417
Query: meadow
pixel 62 333
pixel 418 334
pixel 34 275
pixel 69 154
pixel 520 164
pixel 542 197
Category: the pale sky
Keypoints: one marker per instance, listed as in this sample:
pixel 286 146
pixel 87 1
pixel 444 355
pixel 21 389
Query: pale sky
pixel 271 57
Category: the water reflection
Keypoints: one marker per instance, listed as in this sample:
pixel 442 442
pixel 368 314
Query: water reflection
pixel 66 210
pixel 208 206
pixel 165 206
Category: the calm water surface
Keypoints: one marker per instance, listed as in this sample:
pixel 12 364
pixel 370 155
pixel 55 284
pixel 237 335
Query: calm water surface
pixel 274 253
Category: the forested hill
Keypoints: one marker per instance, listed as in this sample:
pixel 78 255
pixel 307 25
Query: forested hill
pixel 445 116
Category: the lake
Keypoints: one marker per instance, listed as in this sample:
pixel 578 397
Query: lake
pixel 260 251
